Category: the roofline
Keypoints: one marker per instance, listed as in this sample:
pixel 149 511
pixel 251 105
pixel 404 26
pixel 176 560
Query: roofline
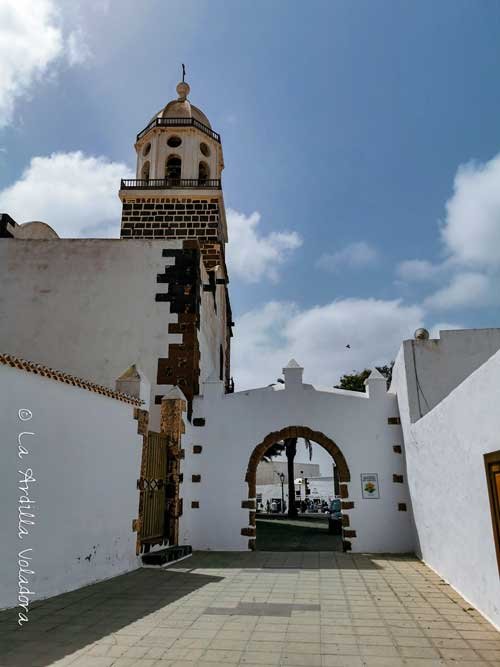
pixel 66 378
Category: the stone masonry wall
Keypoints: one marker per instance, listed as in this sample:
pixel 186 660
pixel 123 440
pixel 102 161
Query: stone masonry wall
pixel 176 218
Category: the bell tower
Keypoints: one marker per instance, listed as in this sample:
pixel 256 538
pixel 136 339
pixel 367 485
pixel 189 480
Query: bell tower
pixel 177 192
pixel 176 196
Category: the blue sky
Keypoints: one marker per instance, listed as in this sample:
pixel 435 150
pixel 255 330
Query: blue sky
pixel 345 126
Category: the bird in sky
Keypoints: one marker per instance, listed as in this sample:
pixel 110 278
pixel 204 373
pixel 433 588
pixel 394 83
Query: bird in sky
pixel 348 346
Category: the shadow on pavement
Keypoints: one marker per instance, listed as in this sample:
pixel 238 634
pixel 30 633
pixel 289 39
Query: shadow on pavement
pixel 295 535
pixel 62 625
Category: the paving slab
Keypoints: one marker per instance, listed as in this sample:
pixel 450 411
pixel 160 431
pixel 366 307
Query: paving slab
pixel 324 609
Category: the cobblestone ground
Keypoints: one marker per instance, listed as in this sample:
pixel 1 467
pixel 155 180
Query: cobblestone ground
pixel 263 608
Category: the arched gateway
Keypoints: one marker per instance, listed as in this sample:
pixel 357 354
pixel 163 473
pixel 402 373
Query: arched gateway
pixel 314 436
pixel 230 432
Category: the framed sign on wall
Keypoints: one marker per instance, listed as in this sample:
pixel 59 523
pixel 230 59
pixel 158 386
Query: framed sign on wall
pixel 369 485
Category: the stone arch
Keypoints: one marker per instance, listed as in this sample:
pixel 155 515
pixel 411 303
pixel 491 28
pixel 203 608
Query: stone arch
pixel 322 440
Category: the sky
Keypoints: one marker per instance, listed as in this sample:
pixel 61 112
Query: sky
pixel 361 144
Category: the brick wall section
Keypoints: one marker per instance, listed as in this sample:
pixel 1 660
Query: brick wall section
pixel 176 218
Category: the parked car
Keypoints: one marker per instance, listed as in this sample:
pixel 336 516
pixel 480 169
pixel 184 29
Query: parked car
pixel 335 517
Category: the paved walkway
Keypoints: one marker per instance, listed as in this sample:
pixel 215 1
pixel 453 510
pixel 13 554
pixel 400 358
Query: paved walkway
pixel 313 609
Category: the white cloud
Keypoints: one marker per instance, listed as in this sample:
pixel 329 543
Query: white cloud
pixel 74 193
pixel 355 255
pixel 30 40
pixel 471 242
pixel 471 231
pixel 77 49
pixel 464 289
pixel 443 326
pixel 268 337
pixel 31 43
pixel 252 256
pixel 418 270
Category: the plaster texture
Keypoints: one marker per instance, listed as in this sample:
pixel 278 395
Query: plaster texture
pixel 87 307
pixel 446 472
pixel 236 423
pixel 84 454
pixel 436 366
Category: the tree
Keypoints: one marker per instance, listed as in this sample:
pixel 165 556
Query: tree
pixel 291 451
pixel 356 381
pixel 274 451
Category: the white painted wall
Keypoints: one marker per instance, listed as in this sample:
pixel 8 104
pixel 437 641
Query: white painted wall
pixel 447 480
pixel 189 151
pixel 442 364
pixel 87 307
pixel 212 331
pixel 236 423
pixel 85 456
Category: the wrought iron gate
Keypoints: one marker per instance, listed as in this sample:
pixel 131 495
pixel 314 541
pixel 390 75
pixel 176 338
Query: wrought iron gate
pixel 152 485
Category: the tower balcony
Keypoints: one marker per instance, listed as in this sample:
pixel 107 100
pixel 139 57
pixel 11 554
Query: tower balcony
pixel 179 122
pixel 171 184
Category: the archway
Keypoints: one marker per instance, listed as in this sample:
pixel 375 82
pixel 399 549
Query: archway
pixel 145 171
pixel 203 173
pixel 319 438
pixel 173 169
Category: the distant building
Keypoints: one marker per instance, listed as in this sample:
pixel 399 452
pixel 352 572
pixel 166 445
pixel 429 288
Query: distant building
pixel 269 471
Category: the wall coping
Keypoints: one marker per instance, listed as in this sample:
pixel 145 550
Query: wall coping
pixel 67 378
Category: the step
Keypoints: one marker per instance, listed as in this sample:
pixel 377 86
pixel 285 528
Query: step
pixel 167 555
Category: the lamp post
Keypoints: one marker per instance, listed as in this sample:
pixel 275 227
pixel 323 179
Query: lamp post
pixel 304 481
pixel 281 475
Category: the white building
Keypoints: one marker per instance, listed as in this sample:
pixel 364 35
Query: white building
pixel 418 466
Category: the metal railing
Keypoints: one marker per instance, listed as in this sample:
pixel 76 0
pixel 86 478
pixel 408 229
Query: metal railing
pixel 161 183
pixel 179 122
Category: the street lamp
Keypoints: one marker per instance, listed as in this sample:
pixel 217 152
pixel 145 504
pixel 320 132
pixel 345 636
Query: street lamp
pixel 282 480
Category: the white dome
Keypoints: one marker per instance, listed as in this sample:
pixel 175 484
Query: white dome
pixel 35 230
pixel 182 107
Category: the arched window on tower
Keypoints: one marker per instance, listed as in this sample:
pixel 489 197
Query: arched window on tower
pixel 173 170
pixel 145 171
pixel 203 173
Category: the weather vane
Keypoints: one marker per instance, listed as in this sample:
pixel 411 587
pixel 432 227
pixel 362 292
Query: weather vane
pixel 183 72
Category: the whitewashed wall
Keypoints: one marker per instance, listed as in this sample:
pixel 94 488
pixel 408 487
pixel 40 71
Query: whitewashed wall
pixel 447 481
pixel 236 423
pixel 443 363
pixel 85 457
pixel 87 306
pixel 212 331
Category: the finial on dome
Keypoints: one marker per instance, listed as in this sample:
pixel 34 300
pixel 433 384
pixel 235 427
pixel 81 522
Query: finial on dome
pixel 183 87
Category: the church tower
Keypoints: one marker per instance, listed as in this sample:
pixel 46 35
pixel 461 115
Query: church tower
pixel 177 192
pixel 177 197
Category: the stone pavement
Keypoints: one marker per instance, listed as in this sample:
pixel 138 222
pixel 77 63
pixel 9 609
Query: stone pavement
pixel 319 609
